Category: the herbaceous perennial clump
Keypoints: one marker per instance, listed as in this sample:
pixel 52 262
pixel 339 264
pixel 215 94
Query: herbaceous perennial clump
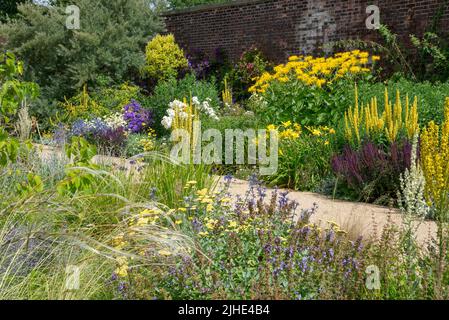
pixel 366 122
pixel 434 159
pixel 136 117
pixel 373 171
pixel 411 198
pixel 316 71
pixel 181 114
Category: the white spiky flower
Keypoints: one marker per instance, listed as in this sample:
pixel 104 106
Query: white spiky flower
pixel 412 185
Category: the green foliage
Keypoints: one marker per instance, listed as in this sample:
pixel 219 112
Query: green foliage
pixel 80 175
pixel 101 102
pixel 8 8
pixel 307 105
pixel 167 91
pixel 164 58
pixel 432 61
pixel 13 93
pixel 134 145
pixel 116 97
pixel 252 65
pixel 9 148
pixel 304 163
pixel 431 96
pixel 110 43
pixel 13 90
pixel 182 4
pixel 33 183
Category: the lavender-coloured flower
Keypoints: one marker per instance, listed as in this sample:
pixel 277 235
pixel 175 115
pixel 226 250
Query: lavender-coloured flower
pixel 136 117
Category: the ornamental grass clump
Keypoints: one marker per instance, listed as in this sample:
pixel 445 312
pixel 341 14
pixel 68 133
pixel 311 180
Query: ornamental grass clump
pixel 251 247
pixel 435 164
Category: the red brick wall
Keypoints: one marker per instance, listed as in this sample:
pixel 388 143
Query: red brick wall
pixel 284 27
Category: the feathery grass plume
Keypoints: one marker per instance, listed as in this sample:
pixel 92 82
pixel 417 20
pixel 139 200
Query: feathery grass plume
pixel 24 123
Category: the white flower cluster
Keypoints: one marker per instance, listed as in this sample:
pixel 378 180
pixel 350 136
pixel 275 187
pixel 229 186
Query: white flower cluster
pixel 181 107
pixel 115 120
pixel 411 197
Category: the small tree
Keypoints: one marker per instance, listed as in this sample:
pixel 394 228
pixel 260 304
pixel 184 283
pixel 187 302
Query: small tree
pixel 8 8
pixel 109 44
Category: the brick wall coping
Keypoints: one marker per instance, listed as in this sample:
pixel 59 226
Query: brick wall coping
pixel 213 6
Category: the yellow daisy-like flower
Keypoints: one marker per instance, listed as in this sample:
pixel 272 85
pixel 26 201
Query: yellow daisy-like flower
pixel 232 224
pixel 287 124
pixel 164 252
pixel 202 192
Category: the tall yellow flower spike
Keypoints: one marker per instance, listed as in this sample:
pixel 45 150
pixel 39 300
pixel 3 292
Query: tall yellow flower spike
pixel 368 122
pixel 227 94
pixel 435 164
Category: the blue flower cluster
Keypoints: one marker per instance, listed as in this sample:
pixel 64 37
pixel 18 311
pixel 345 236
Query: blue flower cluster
pixel 137 117
pixel 97 131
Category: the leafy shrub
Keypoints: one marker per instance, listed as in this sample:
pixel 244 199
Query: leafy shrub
pixel 114 98
pixel 167 91
pixel 306 105
pixel 80 106
pixel 433 57
pixel 251 65
pixel 311 91
pixel 304 156
pixel 8 8
pixel 372 173
pixel 14 91
pixel 164 58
